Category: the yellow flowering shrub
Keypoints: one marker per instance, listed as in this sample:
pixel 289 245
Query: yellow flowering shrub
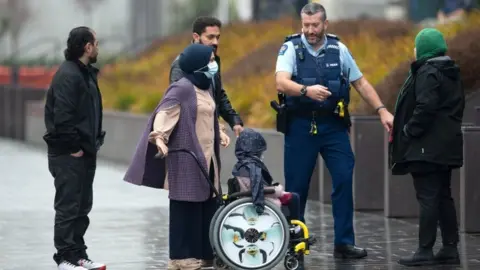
pixel 140 81
pixel 249 52
pixel 376 57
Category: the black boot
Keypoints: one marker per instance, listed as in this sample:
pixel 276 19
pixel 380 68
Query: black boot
pixel 421 257
pixel 349 252
pixel 448 255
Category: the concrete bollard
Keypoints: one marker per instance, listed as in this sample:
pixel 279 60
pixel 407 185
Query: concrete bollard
pixel 367 136
pixel 3 112
pixel 469 184
pixel 8 111
pixel 477 116
pixel 18 113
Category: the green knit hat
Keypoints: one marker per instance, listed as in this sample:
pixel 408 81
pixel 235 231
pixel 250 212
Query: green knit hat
pixel 430 43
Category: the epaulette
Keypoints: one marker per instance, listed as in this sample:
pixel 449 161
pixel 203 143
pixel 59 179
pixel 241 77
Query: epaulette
pixel 288 38
pixel 333 36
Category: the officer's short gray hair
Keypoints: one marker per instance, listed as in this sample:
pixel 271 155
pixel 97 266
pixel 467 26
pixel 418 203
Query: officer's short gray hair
pixel 314 8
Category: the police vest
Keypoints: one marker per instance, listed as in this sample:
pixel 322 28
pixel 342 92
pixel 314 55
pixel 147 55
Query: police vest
pixel 325 69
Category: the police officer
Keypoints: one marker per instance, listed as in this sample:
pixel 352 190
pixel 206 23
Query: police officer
pixel 314 71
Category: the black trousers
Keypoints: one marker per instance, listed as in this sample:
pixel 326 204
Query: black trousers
pixel 436 208
pixel 189 229
pixel 73 202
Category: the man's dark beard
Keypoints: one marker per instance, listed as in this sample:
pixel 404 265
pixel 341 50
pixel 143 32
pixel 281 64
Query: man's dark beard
pixel 92 59
pixel 319 36
pixel 215 47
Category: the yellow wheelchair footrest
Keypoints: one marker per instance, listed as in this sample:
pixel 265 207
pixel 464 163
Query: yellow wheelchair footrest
pixel 302 246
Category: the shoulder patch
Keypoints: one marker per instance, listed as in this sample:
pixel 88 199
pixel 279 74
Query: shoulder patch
pixel 333 36
pixel 283 49
pixel 293 36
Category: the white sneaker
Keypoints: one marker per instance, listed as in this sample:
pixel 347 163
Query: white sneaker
pixel 69 266
pixel 89 265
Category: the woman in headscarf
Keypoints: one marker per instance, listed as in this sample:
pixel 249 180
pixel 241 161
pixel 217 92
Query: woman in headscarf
pixel 427 143
pixel 185 118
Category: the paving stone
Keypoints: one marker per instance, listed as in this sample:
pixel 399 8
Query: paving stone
pixel 129 230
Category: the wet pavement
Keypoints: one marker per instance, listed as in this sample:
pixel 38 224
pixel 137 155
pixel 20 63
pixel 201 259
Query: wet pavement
pixel 129 224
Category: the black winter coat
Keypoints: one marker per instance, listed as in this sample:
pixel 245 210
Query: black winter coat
pixel 73 110
pixel 428 118
pixel 224 107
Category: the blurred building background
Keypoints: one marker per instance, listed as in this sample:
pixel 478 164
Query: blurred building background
pixel 33 36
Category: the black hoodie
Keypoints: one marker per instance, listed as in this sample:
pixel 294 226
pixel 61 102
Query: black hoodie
pixel 428 118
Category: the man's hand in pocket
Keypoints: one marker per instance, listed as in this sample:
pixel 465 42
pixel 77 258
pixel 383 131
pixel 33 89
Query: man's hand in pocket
pixel 77 154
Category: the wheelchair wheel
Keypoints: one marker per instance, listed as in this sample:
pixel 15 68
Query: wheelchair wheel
pixel 210 231
pixel 242 239
pixel 291 262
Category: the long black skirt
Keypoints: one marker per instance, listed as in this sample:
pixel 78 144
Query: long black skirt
pixel 189 229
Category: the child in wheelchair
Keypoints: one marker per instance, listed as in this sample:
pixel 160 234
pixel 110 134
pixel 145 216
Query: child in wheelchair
pixel 251 174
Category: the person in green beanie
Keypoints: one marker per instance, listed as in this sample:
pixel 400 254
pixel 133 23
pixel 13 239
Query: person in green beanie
pixel 426 141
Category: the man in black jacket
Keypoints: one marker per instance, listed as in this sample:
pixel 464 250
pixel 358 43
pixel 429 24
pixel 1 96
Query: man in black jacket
pixel 206 30
pixel 427 142
pixel 73 119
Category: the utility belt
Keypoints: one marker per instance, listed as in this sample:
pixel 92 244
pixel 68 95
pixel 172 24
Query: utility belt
pixel 285 114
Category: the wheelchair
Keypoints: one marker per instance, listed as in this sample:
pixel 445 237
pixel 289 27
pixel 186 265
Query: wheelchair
pixel 243 239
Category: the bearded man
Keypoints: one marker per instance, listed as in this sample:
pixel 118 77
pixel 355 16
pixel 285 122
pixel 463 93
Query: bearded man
pixel 206 31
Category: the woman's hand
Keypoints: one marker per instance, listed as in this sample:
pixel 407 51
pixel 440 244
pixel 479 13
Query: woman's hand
pixel 160 153
pixel 224 139
pixel 162 149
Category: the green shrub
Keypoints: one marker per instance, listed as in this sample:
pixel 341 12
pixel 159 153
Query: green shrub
pixel 124 102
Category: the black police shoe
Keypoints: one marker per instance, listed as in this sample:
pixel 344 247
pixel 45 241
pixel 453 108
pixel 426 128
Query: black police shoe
pixel 420 258
pixel 349 252
pixel 447 255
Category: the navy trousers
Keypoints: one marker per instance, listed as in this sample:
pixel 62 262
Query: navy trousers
pixel 301 152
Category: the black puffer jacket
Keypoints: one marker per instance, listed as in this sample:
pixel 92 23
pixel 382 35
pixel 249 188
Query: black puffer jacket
pixel 428 117
pixel 224 107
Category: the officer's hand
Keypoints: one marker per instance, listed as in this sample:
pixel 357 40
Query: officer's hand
pixel 318 92
pixel 387 119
